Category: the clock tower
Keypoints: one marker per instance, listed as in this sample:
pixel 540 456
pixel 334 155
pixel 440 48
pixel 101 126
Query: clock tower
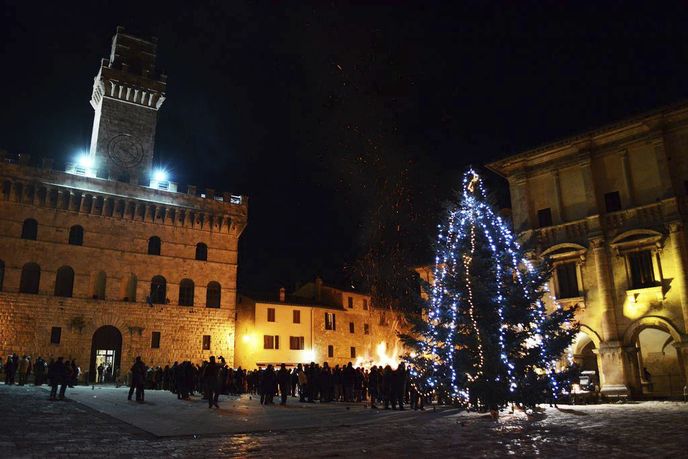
pixel 127 94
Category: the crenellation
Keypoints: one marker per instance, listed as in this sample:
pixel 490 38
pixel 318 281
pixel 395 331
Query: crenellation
pixel 102 228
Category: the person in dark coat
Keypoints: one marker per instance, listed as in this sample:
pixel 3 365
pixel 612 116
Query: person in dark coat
pixel 39 371
pixel 268 385
pixel 138 379
pixel 58 377
pixel 294 380
pixel 283 381
pixel 211 382
pixel 348 377
pixel 373 385
pixel 387 384
pixel 10 370
pixel 399 387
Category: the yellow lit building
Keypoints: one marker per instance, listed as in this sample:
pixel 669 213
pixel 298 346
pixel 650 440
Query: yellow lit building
pixel 609 207
pixel 317 323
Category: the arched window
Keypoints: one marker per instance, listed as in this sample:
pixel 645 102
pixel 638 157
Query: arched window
pixel 99 287
pixel 30 229
pixel 186 292
pixel 201 251
pixel 154 246
pixel 76 235
pixel 2 273
pixel 30 278
pixel 158 292
pixel 212 296
pixel 64 282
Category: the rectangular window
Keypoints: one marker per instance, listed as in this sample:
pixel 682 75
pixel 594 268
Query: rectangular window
pixel 330 351
pixel 271 314
pixel 330 323
pixel 567 280
pixel 545 217
pixel 353 352
pixel 351 302
pixel 612 201
pixel 366 329
pixel 270 342
pixel 641 269
pixel 365 305
pixel 297 316
pixel 206 342
pixel 55 335
pixel 383 318
pixel 296 343
pixel 351 327
pixel 155 341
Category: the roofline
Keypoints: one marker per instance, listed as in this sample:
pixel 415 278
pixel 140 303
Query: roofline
pixel 495 166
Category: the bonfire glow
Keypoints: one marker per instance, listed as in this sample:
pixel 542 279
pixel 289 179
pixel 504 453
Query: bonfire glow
pixel 382 356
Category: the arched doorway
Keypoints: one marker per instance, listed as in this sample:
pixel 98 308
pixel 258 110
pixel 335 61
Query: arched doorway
pixel 658 364
pixel 106 350
pixel 585 358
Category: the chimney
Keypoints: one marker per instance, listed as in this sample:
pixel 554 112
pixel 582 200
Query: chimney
pixel 283 295
pixel 191 190
pixel 47 163
pixel 318 289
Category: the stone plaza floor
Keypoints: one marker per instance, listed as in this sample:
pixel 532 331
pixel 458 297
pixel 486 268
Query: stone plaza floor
pixel 100 422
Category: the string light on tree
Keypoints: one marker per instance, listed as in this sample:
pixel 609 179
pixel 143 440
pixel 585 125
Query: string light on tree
pixel 485 311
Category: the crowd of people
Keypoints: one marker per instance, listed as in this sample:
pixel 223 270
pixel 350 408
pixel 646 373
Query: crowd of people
pixel 311 383
pixel 55 372
pixel 380 387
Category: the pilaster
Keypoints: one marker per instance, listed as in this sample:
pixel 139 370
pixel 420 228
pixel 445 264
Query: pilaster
pixel 678 247
pixel 605 289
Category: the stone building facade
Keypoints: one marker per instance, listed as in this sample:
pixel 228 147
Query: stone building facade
pixel 609 208
pixel 317 323
pixel 101 264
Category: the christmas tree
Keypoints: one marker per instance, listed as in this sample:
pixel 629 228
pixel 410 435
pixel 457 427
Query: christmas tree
pixel 485 338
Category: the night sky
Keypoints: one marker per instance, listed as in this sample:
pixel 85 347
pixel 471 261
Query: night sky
pixel 313 109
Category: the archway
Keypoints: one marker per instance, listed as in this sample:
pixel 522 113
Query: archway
pixel 106 350
pixel 585 357
pixel 657 363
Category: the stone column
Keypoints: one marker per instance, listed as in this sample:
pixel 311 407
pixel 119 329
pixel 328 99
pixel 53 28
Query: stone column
pixel 604 289
pixel 520 202
pixel 613 359
pixel 678 248
pixel 682 351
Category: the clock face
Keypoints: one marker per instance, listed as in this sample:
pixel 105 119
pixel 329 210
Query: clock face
pixel 125 151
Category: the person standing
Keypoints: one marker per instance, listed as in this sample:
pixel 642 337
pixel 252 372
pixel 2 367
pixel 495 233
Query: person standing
pixel 138 379
pixel 373 385
pixel 101 370
pixel 57 373
pixel 399 386
pixel 211 382
pixel 283 380
pixel 268 383
pixel 23 370
pixel 303 382
pixel 39 371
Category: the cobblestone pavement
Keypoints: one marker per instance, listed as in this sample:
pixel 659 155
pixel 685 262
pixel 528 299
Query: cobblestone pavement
pixel 30 426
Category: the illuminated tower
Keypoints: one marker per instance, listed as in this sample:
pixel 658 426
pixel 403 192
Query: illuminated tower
pixel 127 93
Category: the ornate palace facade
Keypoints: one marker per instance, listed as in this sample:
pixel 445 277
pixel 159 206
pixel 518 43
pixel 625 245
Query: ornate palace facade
pixel 107 261
pixel 610 207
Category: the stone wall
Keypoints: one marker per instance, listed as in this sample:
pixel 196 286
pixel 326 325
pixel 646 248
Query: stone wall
pixel 28 319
